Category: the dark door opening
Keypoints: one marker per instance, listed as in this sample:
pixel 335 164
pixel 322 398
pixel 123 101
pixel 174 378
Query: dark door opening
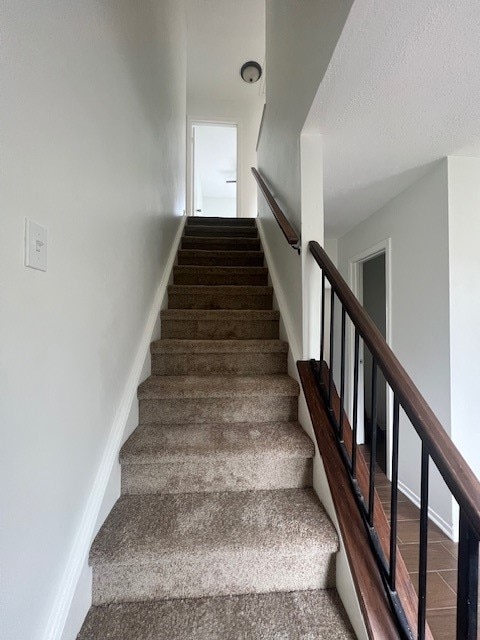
pixel 375 303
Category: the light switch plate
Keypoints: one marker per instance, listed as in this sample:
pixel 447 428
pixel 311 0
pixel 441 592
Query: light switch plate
pixel 35 245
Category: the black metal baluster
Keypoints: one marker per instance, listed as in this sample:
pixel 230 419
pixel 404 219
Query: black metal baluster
pixel 373 445
pixel 332 320
pixel 355 404
pixel 422 564
pixel 342 376
pixel 322 334
pixel 467 592
pixel 394 495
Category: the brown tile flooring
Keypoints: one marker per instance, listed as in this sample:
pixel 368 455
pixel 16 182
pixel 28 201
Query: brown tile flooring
pixel 442 560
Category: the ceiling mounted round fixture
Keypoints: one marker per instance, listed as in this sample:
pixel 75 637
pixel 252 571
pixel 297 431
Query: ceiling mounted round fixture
pixel 251 71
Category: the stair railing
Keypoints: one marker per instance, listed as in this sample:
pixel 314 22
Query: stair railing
pixel 436 446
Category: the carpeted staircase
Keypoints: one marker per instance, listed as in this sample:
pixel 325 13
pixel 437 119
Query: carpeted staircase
pixel 217 534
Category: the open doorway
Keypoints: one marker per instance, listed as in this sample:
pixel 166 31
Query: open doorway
pixel 375 303
pixel 214 170
pixel 371 283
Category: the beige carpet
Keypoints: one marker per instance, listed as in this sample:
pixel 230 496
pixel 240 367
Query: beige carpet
pixel 217 534
pixel 302 615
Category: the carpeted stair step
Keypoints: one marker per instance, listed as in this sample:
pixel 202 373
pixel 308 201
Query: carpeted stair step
pixel 227 324
pixel 204 399
pixel 219 297
pixel 216 357
pixel 208 544
pixel 212 221
pixel 226 276
pixel 216 457
pixel 297 615
pixel 217 534
pixel 221 231
pixel 220 244
pixel 202 257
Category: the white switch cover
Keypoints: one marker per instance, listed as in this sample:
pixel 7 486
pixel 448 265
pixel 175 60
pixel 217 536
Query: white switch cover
pixel 35 245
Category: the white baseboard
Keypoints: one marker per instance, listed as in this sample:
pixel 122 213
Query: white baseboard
pixel 83 540
pixel 447 528
pixel 279 294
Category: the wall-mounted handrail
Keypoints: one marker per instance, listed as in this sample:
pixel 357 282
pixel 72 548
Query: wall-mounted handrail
pixel 435 445
pixel 288 231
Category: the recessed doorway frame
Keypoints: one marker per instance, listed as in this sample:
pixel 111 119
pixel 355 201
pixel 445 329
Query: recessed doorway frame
pixel 190 175
pixel 356 283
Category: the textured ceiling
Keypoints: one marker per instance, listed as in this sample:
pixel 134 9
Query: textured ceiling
pixel 402 90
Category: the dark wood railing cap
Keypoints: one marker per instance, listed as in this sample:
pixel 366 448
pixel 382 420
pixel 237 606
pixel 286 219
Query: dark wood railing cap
pixel 460 479
pixel 458 476
pixel 288 231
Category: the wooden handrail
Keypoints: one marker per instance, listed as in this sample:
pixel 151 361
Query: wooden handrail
pixel 436 444
pixel 458 476
pixel 288 231
pixel 372 596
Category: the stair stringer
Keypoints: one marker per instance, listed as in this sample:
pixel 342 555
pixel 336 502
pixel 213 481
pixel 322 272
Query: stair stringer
pixel 344 580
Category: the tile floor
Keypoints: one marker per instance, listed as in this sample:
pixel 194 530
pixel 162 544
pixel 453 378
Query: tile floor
pixel 442 560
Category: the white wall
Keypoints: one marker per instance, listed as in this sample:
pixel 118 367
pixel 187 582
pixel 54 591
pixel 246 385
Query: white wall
pixel 93 140
pixel 464 236
pixel 331 247
pixel 417 223
pixel 222 35
pixel 301 37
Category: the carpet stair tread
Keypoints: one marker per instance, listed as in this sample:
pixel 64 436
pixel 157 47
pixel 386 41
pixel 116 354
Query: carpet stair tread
pixel 166 345
pixel 220 324
pixel 226 276
pixel 170 443
pixel 297 615
pixel 230 290
pixel 219 297
pixel 217 221
pixel 221 314
pixel 159 387
pixel 221 230
pixel 216 257
pixel 223 243
pixel 218 357
pixel 142 529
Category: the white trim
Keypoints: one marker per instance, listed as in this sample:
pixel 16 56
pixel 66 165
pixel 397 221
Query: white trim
pixel 83 539
pixel 385 247
pixel 448 529
pixel 345 584
pixel 280 296
pixel 234 122
pixel 311 183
